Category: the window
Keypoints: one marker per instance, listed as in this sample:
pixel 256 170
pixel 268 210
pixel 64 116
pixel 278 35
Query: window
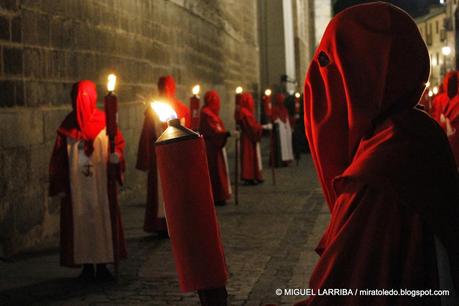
pixel 436 26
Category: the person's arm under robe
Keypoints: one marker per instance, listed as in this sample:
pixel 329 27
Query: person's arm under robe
pixel 251 127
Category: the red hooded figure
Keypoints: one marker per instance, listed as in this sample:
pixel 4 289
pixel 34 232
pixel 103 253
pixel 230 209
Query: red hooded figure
pixel 386 168
pixel 279 110
pixel 282 132
pixel 78 170
pixel 449 114
pixel 449 91
pixel 155 220
pixel 251 132
pixel 166 88
pixel 215 136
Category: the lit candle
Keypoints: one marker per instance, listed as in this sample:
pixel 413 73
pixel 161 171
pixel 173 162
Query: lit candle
pixel 194 108
pixel 239 91
pixel 111 119
pixel 111 107
pixel 267 104
pixel 297 105
pixel 189 205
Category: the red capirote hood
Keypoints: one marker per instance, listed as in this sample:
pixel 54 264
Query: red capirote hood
pixel 212 101
pixel 370 64
pixel 247 102
pixel 166 86
pixel 450 82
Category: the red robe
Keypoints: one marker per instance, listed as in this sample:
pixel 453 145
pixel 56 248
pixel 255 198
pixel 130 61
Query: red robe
pixel 215 136
pixel 84 123
pixel 146 155
pixel 251 132
pixel 385 167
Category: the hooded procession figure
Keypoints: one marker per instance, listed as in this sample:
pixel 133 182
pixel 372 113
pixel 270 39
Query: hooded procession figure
pixel 282 131
pixel 251 132
pixel 215 136
pixel 441 100
pixel 78 170
pixel 386 168
pixel 155 220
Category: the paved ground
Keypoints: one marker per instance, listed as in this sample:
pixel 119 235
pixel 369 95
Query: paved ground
pixel 269 240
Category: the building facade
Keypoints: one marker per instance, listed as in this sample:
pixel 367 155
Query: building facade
pixel 438 29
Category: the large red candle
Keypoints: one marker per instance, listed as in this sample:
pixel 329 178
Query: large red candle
pixel 267 106
pixel 194 108
pixel 190 211
pixel 237 104
pixel 111 121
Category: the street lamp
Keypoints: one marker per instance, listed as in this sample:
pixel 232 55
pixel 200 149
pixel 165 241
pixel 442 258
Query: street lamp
pixel 446 51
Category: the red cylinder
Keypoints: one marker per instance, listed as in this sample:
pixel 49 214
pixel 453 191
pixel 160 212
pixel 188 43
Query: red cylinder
pixel 267 107
pixel 237 108
pixel 190 212
pixel 111 113
pixel 194 109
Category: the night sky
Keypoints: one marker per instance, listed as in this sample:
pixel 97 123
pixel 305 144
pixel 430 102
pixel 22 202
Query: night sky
pixel 414 7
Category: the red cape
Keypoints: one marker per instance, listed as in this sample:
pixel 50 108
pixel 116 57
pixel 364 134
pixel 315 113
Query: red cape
pixel 215 136
pixel 251 132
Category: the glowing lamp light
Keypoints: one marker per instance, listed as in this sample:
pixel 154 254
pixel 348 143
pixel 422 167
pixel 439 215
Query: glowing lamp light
pixel 427 84
pixel 239 90
pixel 111 84
pixel 430 93
pixel 196 89
pixel 446 50
pixel 164 111
pixel 268 92
pixel 297 95
pixel 435 90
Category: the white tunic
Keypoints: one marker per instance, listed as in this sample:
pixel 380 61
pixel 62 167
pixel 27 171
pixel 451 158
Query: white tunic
pixel 285 137
pixel 92 232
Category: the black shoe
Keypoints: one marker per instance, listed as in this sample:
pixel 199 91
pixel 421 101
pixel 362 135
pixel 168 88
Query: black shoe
pixel 163 234
pixel 220 203
pixel 249 182
pixel 103 274
pixel 87 273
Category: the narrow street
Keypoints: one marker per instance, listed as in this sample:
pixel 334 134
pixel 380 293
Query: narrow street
pixel 269 240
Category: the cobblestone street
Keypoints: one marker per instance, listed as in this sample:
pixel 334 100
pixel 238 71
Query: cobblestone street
pixel 269 240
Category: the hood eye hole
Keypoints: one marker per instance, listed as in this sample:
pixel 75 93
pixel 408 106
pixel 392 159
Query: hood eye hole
pixel 323 59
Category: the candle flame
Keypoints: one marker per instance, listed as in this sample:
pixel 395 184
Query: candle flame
pixel 111 82
pixel 430 93
pixel 268 92
pixel 163 110
pixel 297 95
pixel 196 90
pixel 239 90
pixel 435 90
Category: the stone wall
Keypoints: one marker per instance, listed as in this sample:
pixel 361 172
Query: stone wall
pixel 47 45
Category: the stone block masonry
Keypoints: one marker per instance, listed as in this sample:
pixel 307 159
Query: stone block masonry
pixel 46 46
